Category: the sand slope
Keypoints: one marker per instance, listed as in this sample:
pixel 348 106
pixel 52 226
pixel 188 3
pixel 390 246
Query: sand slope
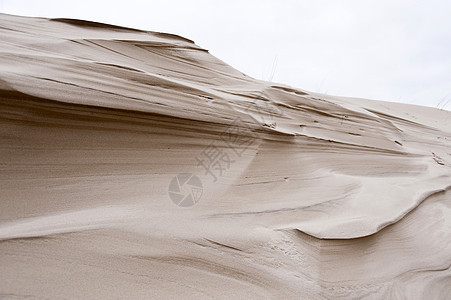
pixel 310 196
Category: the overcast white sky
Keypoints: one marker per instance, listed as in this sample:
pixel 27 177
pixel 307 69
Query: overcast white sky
pixel 394 50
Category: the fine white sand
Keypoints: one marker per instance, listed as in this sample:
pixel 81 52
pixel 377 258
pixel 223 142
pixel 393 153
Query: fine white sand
pixel 319 197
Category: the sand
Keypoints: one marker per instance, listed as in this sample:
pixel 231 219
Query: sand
pixel 284 193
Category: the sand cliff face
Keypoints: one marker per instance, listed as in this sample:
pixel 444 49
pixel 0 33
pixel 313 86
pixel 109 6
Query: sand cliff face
pixel 283 193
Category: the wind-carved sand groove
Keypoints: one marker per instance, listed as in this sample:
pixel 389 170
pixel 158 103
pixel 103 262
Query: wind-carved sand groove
pixel 334 198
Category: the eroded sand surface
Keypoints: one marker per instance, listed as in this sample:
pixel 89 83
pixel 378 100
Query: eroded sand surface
pixel 319 197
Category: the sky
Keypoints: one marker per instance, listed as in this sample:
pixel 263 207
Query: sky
pixel 395 50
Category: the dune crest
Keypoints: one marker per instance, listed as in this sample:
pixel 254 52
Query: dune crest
pixel 301 195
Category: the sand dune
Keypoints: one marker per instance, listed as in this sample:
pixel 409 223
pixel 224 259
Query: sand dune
pixel 303 196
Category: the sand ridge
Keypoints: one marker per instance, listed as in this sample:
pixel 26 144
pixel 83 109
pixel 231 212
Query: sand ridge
pixel 317 197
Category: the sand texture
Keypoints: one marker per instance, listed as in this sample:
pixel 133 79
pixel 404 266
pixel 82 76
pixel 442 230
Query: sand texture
pixel 304 195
